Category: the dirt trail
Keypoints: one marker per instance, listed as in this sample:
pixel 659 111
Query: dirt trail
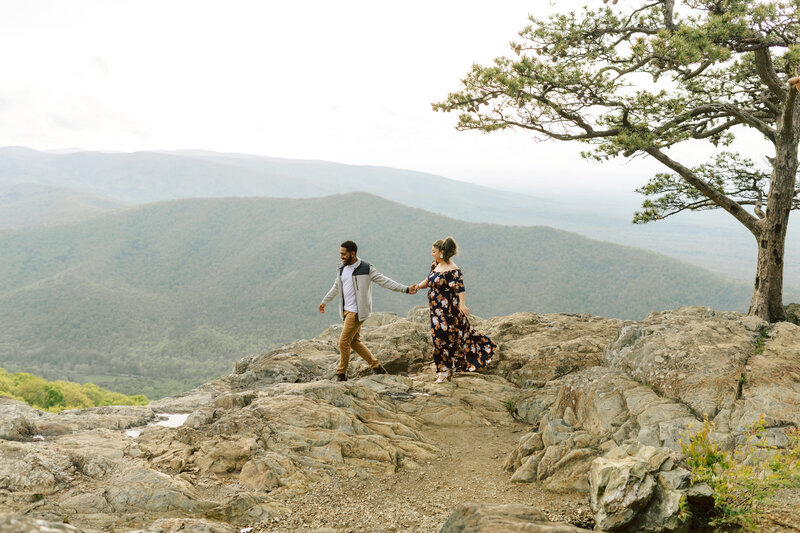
pixel 470 469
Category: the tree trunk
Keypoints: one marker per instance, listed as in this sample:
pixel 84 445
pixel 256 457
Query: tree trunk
pixel 767 301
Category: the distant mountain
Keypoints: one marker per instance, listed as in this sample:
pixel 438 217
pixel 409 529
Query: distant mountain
pixel 29 204
pixel 158 298
pixel 710 240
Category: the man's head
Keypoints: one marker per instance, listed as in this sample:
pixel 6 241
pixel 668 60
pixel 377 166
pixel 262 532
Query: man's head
pixel 348 252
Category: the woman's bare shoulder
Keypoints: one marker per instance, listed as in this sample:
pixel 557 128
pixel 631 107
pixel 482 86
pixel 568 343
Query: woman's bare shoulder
pixel 449 268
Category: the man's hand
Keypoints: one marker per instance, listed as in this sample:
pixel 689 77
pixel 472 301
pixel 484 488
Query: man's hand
pixel 413 289
pixel 321 308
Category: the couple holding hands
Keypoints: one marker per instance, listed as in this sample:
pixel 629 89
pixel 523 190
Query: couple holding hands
pixel 457 347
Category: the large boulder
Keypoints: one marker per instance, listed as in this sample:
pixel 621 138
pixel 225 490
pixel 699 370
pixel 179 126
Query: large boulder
pixel 637 488
pixel 14 523
pixel 534 349
pixel 586 414
pixel 188 525
pixel 693 355
pixel 793 314
pixel 17 419
pixel 510 518
pixel 770 385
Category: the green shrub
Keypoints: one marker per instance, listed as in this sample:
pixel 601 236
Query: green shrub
pixel 744 479
pixel 59 395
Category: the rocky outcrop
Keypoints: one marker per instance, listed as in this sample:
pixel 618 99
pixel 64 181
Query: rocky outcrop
pixel 11 523
pixel 598 396
pixel 640 488
pixel 483 518
pixel 589 414
pixel 535 349
pixel 793 314
pixel 659 379
pixel 694 356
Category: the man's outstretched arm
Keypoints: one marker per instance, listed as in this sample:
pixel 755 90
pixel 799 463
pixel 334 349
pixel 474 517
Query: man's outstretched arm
pixel 386 283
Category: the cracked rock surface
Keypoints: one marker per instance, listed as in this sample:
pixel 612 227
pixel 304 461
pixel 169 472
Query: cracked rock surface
pixel 277 446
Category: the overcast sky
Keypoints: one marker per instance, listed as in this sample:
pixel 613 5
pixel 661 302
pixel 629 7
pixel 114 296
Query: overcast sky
pixel 347 81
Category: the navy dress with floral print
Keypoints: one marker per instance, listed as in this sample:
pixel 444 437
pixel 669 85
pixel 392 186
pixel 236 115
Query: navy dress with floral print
pixel 456 345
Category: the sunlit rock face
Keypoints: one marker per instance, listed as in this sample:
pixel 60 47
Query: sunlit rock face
pixel 588 388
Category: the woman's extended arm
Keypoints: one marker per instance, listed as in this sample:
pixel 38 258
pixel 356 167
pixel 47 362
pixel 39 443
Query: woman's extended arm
pixel 421 285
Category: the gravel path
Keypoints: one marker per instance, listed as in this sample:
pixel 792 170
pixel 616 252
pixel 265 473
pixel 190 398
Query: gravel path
pixel 470 469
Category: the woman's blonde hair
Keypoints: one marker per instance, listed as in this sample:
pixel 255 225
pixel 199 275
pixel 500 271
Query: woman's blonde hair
pixel 447 246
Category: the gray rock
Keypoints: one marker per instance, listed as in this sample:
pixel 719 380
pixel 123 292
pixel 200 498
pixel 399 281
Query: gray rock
pixel 620 488
pixel 512 518
pixel 17 419
pixel 534 349
pixel 771 387
pixel 266 433
pixel 11 523
pixel 693 355
pixel 189 525
pixel 793 314
pixel 639 488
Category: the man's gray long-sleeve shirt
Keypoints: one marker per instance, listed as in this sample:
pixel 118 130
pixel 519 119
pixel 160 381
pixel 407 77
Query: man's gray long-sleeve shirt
pixel 363 276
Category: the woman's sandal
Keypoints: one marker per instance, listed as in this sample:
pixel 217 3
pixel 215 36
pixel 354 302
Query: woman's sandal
pixel 441 377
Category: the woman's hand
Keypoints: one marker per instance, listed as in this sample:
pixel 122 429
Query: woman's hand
pixel 464 309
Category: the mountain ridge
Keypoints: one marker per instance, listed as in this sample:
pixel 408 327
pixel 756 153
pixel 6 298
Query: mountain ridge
pixel 174 291
pixel 708 239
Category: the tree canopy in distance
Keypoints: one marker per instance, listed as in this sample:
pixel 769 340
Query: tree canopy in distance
pixel 717 67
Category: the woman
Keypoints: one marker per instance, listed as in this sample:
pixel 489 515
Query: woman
pixel 456 346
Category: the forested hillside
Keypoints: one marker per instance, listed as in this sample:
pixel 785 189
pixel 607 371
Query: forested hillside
pixel 29 204
pixel 56 396
pixel 158 298
pixel 710 240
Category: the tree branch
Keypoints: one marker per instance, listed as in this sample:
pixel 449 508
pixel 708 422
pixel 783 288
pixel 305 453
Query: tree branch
pixel 766 71
pixel 669 7
pixel 730 110
pixel 716 131
pixel 788 111
pixel 689 207
pixel 732 207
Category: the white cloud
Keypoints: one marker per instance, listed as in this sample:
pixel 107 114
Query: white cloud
pixel 347 81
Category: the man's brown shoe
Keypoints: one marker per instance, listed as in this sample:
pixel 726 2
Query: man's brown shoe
pixel 341 377
pixel 379 370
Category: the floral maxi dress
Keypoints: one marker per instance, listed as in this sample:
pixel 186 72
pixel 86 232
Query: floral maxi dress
pixel 456 345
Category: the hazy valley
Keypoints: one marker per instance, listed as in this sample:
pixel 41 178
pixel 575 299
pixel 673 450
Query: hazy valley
pixel 712 240
pixel 157 298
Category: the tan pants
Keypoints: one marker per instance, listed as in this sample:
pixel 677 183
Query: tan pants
pixel 350 339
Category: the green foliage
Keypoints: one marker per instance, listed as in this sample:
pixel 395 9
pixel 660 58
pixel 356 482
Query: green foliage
pixel 761 340
pixel 511 407
pixel 59 395
pixel 743 480
pixel 703 72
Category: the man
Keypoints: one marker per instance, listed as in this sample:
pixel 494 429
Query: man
pixel 354 279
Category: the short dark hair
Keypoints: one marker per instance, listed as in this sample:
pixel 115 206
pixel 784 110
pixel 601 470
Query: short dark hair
pixel 350 246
